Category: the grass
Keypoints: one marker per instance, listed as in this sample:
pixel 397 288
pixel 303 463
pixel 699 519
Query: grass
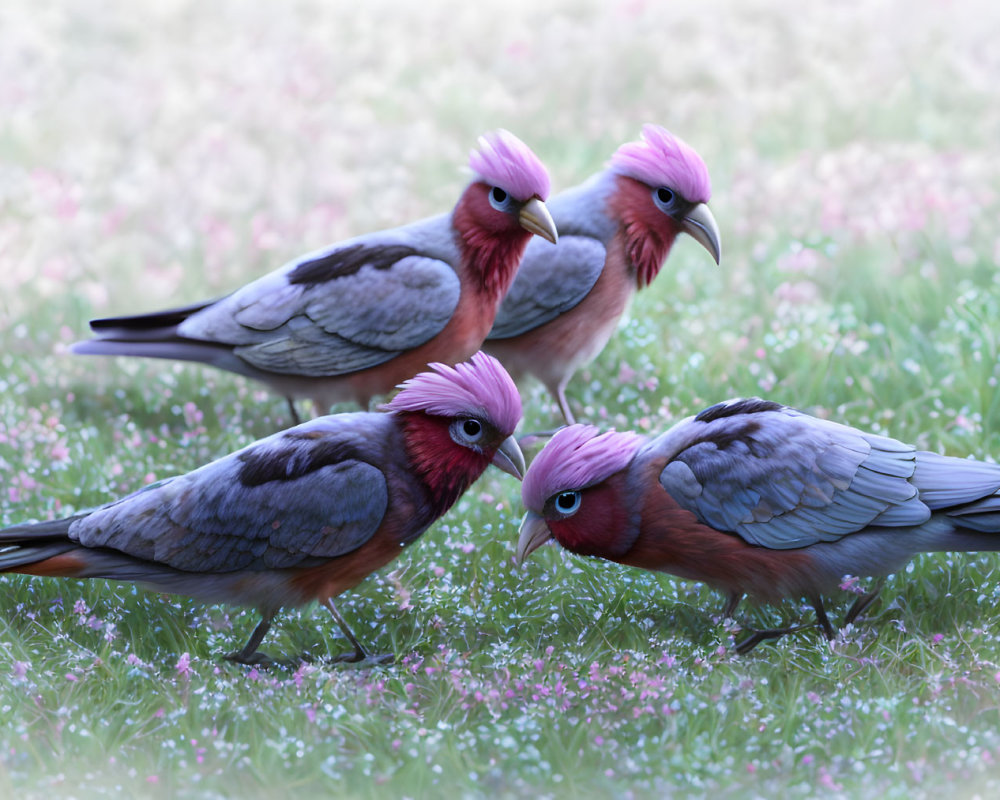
pixel 169 152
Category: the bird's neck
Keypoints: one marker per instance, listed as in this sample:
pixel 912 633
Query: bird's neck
pixel 490 255
pixel 445 468
pixel 647 233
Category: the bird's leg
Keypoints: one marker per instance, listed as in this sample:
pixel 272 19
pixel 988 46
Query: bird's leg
pixel 296 419
pixel 249 655
pixel 567 412
pixel 529 439
pixel 731 603
pixel 756 637
pixel 862 603
pixel 822 619
pixel 359 654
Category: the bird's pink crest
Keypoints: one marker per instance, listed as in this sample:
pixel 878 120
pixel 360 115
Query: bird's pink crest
pixel 504 161
pixel 576 457
pixel 479 387
pixel 661 159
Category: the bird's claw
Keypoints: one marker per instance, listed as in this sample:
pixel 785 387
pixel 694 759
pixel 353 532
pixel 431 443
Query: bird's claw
pixel 255 659
pixel 756 637
pixel 363 659
pixel 264 661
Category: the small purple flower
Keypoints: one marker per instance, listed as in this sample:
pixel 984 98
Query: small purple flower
pixel 183 665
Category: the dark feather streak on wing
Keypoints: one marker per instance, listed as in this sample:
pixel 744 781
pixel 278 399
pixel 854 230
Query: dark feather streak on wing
pixel 347 261
pixel 293 461
pixel 748 405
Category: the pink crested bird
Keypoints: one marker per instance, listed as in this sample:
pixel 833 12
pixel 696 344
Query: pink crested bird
pixel 351 321
pixel 752 497
pixel 616 230
pixel 301 515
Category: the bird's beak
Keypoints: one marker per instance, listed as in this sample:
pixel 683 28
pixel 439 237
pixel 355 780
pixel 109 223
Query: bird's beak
pixel 700 225
pixel 535 218
pixel 534 532
pixel 509 458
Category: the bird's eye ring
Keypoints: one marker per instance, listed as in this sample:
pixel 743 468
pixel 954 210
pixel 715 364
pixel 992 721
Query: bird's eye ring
pixel 499 199
pixel 664 198
pixel 567 502
pixel 472 428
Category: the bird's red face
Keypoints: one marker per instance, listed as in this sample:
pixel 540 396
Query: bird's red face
pixel 652 218
pixel 576 492
pixel 590 521
pixel 494 228
pixel 450 453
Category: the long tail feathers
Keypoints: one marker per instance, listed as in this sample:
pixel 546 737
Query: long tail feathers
pixel 23 547
pixel 158 321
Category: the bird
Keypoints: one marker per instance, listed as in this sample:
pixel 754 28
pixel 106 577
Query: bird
pixel 349 322
pixel 616 231
pixel 301 515
pixel 756 498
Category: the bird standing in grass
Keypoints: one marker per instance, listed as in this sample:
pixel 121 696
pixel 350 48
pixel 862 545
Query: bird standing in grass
pixel 756 498
pixel 616 230
pixel 351 321
pixel 301 515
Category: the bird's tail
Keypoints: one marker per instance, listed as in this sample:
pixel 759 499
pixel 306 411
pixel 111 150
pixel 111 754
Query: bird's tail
pixel 967 494
pixel 40 548
pixel 156 335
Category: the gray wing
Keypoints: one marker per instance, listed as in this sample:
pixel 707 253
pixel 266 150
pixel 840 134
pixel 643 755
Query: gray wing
pixel 781 479
pixel 289 500
pixel 349 308
pixel 551 280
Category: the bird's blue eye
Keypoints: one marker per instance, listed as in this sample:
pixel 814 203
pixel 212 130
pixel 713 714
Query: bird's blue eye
pixel 499 199
pixel 567 502
pixel 664 199
pixel 467 431
pixel 472 428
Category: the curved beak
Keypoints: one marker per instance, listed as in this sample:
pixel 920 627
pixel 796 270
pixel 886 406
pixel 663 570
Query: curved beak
pixel 532 535
pixel 700 225
pixel 509 458
pixel 535 218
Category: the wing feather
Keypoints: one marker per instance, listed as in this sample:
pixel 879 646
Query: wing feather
pixel 782 479
pixel 282 502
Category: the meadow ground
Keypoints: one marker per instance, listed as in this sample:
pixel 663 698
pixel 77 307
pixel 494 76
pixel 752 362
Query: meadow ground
pixel 161 153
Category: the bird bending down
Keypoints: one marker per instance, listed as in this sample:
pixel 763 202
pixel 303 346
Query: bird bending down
pixel 615 232
pixel 351 321
pixel 301 515
pixel 752 497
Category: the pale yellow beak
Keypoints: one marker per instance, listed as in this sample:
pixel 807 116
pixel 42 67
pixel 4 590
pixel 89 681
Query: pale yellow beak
pixel 533 533
pixel 509 458
pixel 535 218
pixel 700 225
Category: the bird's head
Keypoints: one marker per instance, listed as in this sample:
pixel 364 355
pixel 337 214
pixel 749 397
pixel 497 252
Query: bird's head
pixel 502 207
pixel 457 421
pixel 575 492
pixel 662 187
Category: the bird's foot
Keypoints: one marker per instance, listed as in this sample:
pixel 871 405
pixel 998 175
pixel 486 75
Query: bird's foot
pixel 862 604
pixel 264 661
pixel 255 659
pixel 756 637
pixel 363 659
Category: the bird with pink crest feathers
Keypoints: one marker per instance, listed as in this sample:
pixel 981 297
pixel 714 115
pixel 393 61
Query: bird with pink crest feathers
pixel 301 515
pixel 350 321
pixel 616 231
pixel 755 498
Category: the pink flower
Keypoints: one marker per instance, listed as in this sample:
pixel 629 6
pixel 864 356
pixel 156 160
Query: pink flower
pixel 183 665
